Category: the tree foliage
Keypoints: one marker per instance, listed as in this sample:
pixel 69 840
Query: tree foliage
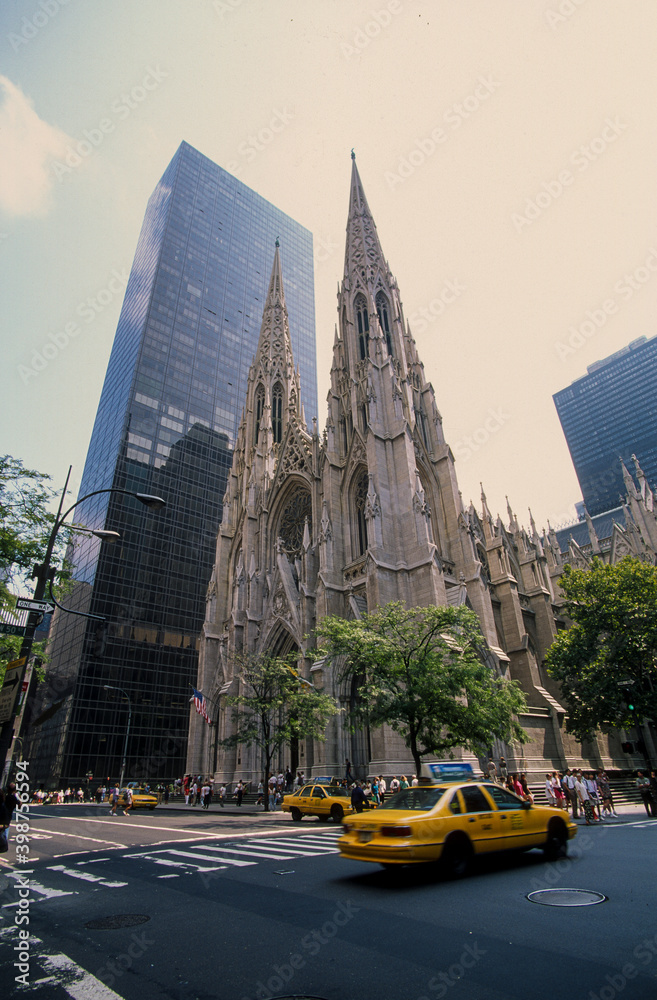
pixel 421 671
pixel 26 520
pixel 613 638
pixel 274 707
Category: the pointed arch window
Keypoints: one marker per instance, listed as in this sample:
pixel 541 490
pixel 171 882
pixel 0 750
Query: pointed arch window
pixel 360 501
pixel 363 325
pixel 383 312
pixel 259 409
pixel 277 413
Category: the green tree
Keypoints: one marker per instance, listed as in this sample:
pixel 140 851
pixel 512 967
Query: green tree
pixel 421 671
pixel 275 706
pixel 613 638
pixel 26 520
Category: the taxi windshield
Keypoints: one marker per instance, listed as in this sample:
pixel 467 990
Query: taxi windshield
pixel 336 791
pixel 419 798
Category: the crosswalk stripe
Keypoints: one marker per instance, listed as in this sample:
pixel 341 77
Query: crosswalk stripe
pixel 85 876
pixel 250 853
pixel 290 845
pixel 206 857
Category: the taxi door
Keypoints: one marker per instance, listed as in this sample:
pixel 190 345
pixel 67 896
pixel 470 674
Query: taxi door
pixel 319 801
pixel 480 820
pixel 517 824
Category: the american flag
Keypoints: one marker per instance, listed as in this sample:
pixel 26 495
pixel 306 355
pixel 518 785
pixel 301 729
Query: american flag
pixel 201 704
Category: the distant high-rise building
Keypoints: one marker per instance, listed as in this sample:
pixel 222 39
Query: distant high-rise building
pixel 166 425
pixel 608 414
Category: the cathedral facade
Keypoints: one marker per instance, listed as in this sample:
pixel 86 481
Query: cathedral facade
pixel 370 512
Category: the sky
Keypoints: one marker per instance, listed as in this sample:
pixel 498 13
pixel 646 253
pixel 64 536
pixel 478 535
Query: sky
pixel 507 150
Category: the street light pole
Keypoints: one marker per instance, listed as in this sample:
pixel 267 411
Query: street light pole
pixel 44 576
pixel 114 687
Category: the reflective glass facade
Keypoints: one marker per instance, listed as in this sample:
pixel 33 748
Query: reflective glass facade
pixel 612 412
pixel 166 425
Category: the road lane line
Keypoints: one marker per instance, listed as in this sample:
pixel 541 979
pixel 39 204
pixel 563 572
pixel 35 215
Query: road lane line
pixel 205 857
pixel 77 836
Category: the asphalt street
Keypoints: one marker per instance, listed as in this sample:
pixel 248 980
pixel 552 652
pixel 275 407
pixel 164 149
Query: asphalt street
pixel 188 905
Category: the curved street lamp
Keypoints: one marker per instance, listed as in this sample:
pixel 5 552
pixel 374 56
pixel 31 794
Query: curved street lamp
pixel 115 687
pixel 44 576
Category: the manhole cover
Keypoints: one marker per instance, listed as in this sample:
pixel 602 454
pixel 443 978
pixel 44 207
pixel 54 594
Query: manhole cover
pixel 115 923
pixel 567 897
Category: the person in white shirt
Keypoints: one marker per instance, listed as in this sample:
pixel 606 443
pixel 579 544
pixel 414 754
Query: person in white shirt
pixel 549 790
pixel 414 781
pixel 383 788
pixel 583 797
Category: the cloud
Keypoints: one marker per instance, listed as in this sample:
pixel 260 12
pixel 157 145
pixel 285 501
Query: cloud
pixel 28 144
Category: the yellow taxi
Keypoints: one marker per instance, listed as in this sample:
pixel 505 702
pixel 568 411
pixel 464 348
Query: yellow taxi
pixel 140 798
pixel 451 818
pixel 323 799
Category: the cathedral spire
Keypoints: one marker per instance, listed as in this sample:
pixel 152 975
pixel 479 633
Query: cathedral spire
pixel 363 256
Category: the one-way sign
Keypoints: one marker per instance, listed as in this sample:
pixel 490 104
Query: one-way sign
pixel 26 604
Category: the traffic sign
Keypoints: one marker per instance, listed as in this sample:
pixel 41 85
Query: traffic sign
pixel 7 629
pixel 26 604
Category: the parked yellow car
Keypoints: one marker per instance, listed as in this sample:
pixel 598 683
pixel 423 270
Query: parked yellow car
pixel 326 801
pixel 140 798
pixel 452 822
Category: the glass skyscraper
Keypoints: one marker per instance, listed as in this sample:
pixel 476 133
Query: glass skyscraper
pixel 166 425
pixel 611 413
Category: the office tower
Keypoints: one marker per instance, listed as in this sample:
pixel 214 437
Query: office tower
pixel 608 414
pixel 166 425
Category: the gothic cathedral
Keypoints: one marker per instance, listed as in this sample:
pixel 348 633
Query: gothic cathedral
pixel 369 513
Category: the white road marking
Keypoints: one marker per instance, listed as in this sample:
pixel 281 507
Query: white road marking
pixel 41 890
pixel 77 836
pixel 85 876
pixel 76 981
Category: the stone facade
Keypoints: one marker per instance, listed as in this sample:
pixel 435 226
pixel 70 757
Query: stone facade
pixel 371 513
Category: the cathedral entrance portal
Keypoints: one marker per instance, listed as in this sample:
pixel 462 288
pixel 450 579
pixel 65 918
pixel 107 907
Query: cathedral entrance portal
pixel 283 646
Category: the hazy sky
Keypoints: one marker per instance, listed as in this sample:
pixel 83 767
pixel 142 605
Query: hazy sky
pixel 507 149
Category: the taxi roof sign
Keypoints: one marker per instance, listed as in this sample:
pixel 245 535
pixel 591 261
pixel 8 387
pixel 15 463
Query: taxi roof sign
pixel 448 770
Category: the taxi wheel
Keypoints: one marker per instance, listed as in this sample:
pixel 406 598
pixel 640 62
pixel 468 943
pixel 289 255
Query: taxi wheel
pixel 457 857
pixel 296 815
pixel 556 845
pixel 337 814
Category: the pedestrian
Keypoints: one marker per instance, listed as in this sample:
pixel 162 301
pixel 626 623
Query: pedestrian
pixel 571 780
pixel 643 787
pixel 492 770
pixel 358 798
pixel 583 797
pixel 375 791
pixel 503 769
pixel 128 801
pixel 260 801
pixel 604 792
pixel 348 775
pixel 557 790
pixel 272 793
pixel 114 799
pixel 288 779
pixel 222 795
pixel 166 795
pixel 205 796
pixel 4 824
pixel 653 793
pixel 239 792
pixel 549 790
pixel 403 783
pixel 394 785
pixel 383 788
pixel 592 787
pixel 414 781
